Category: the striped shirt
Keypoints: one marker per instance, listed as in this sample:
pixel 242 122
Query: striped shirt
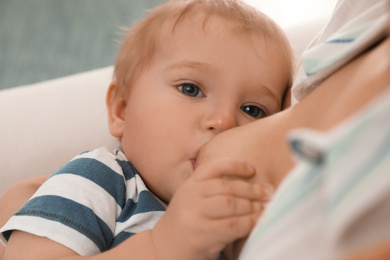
pixel 93 203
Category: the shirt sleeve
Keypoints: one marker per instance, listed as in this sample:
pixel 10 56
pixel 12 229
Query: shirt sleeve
pixel 77 206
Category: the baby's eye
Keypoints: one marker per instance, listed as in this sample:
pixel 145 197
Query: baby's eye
pixel 254 111
pixel 190 90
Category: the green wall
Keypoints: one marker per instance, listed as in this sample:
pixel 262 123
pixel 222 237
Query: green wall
pixel 46 39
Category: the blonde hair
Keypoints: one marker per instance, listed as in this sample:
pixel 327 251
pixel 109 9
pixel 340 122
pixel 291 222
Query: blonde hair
pixel 140 42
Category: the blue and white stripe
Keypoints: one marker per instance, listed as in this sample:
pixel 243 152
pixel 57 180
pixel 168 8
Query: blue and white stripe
pixel 91 204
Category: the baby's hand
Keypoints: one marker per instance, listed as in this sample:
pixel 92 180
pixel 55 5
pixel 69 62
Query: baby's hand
pixel 214 207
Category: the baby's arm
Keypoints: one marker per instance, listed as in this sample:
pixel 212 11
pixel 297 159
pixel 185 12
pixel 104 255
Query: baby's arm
pixel 213 208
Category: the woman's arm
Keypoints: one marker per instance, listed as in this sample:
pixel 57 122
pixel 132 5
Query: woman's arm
pixel 16 197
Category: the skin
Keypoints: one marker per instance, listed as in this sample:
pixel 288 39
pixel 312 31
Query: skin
pixel 214 204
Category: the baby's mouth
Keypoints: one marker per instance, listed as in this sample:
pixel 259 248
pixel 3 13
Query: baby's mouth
pixel 193 162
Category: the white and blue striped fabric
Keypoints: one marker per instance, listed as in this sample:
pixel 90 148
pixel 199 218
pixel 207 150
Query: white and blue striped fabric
pixel 91 204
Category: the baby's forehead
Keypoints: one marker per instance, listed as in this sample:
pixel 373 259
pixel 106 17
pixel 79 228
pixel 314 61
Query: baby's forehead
pixel 198 22
pixel 207 25
pixel 203 28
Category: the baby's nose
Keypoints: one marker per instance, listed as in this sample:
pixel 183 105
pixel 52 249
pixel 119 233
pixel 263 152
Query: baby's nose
pixel 219 121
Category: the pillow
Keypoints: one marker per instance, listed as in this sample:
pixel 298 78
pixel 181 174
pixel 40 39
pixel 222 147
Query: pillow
pixel 44 125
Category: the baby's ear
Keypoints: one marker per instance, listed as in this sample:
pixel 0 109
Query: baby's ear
pixel 116 108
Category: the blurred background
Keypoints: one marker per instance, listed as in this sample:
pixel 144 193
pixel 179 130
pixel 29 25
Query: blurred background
pixel 291 13
pixel 47 39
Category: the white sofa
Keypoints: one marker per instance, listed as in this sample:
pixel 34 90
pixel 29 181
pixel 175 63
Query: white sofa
pixel 42 126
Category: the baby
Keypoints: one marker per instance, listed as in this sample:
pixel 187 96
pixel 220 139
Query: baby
pixel 187 72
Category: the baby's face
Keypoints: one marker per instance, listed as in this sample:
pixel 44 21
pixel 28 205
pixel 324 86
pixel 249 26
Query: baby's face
pixel 199 83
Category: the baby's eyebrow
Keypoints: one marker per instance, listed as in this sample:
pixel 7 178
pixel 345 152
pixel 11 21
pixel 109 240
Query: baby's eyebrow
pixel 187 64
pixel 267 91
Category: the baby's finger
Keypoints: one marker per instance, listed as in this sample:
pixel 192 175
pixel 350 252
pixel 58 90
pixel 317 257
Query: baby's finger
pixel 237 188
pixel 228 206
pixel 235 227
pixel 224 167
